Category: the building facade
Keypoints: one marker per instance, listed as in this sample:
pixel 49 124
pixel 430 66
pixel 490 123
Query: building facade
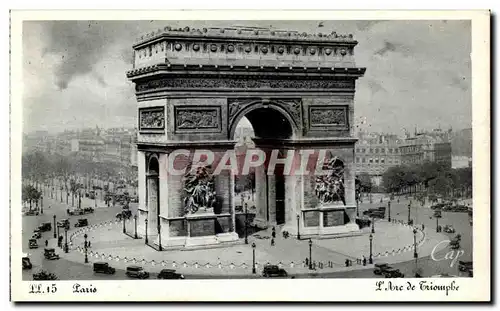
pixel 375 153
pixel 423 147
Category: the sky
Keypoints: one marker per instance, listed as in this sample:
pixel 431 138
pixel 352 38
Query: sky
pixel 418 72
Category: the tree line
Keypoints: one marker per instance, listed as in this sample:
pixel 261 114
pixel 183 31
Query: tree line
pixel 430 177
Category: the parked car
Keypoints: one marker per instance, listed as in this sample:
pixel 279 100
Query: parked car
pixel 136 272
pixel 273 271
pixel 363 222
pixel 27 263
pixel 50 254
pixel 31 213
pixel 103 267
pixel 33 243
pixel 437 213
pixel 169 274
pixel 393 273
pixel 82 222
pixel 464 266
pixel 46 226
pixel 449 229
pixel 455 244
pixel 381 268
pixel 36 235
pixel 63 223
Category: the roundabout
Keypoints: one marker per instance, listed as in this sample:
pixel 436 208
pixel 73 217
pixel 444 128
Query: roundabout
pixel 393 242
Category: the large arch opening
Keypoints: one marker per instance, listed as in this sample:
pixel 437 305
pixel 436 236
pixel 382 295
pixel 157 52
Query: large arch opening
pixel 260 198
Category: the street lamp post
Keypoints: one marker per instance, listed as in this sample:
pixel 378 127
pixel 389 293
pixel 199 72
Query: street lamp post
pixel 135 225
pixel 370 259
pixel 357 207
pixel 437 224
pixel 310 254
pixel 123 219
pixel 85 246
pixel 146 233
pixel 415 254
pixel 389 208
pixel 159 234
pixel 66 239
pixel 41 205
pixel 373 224
pixel 409 216
pixel 55 236
pixel 298 227
pixel 58 237
pixel 246 223
pixel 253 259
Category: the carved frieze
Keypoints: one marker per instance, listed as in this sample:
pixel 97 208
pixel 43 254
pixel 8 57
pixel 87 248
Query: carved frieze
pixel 152 119
pixel 228 83
pixel 328 116
pixel 197 119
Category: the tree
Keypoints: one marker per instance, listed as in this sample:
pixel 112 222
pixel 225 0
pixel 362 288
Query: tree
pixel 365 182
pixel 30 195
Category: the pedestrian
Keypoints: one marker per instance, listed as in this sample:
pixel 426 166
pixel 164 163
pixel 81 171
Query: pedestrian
pixel 364 261
pixel 273 234
pixel 423 227
pixel 89 244
pixel 46 243
pixel 272 242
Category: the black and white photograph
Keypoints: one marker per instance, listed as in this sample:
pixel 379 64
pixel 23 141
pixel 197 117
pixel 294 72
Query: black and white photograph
pixel 273 150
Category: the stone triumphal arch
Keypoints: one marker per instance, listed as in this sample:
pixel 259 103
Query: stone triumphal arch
pixel 193 86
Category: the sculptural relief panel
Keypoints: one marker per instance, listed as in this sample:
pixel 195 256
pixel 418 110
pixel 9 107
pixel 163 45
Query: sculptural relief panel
pixel 198 119
pixel 152 119
pixel 328 116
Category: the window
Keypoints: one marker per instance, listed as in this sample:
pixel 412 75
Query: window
pixel 357 160
pixel 363 160
pixel 364 150
pixel 371 150
pixel 376 150
pixel 370 161
pixel 382 161
pixel 376 160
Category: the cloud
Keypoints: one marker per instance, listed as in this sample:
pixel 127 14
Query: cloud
pixel 418 71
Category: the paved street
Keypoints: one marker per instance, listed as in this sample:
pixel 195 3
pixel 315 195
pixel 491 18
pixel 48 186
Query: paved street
pixel 75 269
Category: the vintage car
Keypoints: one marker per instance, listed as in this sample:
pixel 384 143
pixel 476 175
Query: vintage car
pixel 82 222
pixel 36 235
pixel 46 226
pixel 464 266
pixel 455 244
pixel 392 273
pixel 363 222
pixel 273 271
pixel 124 214
pixel 449 229
pixel 470 273
pixel 103 267
pixel 33 243
pixel 31 213
pixel 169 274
pixel 63 223
pixel 136 272
pixel 50 254
pixel 380 268
pixel 27 263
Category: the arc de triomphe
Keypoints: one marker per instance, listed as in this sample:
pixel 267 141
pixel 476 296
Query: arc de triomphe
pixel 193 86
